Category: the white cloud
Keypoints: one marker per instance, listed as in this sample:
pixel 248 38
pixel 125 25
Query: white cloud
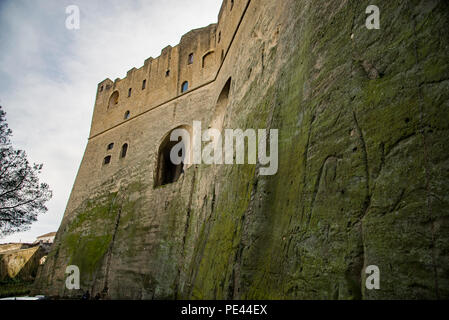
pixel 49 75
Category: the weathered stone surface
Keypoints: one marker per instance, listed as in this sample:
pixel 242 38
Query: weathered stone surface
pixel 21 264
pixel 12 246
pixel 363 163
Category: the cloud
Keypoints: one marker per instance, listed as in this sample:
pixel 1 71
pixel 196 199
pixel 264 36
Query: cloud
pixel 49 74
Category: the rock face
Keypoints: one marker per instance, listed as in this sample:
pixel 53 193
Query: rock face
pixel 363 162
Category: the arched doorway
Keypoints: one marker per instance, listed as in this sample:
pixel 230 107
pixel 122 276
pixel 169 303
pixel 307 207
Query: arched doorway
pixel 168 170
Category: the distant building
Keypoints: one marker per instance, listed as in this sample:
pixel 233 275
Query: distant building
pixel 46 238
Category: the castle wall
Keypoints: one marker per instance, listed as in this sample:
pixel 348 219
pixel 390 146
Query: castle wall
pixel 155 110
pixel 20 264
pixel 356 110
pixel 159 107
pixel 12 246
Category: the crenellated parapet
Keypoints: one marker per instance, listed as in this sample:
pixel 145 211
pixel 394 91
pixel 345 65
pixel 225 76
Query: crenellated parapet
pixel 191 64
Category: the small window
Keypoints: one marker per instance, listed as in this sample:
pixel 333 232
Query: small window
pixel 167 73
pixel 191 58
pixel 129 92
pixel 219 37
pixel 232 4
pixel 101 89
pixel 107 160
pixel 127 114
pixel 110 146
pixel 185 87
pixel 144 84
pixel 124 150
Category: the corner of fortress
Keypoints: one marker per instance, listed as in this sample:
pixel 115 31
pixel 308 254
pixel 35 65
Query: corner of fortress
pixel 362 180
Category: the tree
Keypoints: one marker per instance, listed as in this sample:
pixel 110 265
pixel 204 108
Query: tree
pixel 22 197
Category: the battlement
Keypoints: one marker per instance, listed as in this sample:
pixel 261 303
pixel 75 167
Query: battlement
pixel 191 64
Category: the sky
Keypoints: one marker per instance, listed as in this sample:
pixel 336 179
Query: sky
pixel 49 75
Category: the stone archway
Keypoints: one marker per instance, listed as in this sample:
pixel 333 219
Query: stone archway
pixel 166 171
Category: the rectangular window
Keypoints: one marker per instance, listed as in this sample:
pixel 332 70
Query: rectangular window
pixel 191 58
pixel 129 92
pixel 144 84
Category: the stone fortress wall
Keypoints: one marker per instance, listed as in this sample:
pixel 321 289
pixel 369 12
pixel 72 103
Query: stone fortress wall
pixel 362 118
pixel 155 108
pixel 159 105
